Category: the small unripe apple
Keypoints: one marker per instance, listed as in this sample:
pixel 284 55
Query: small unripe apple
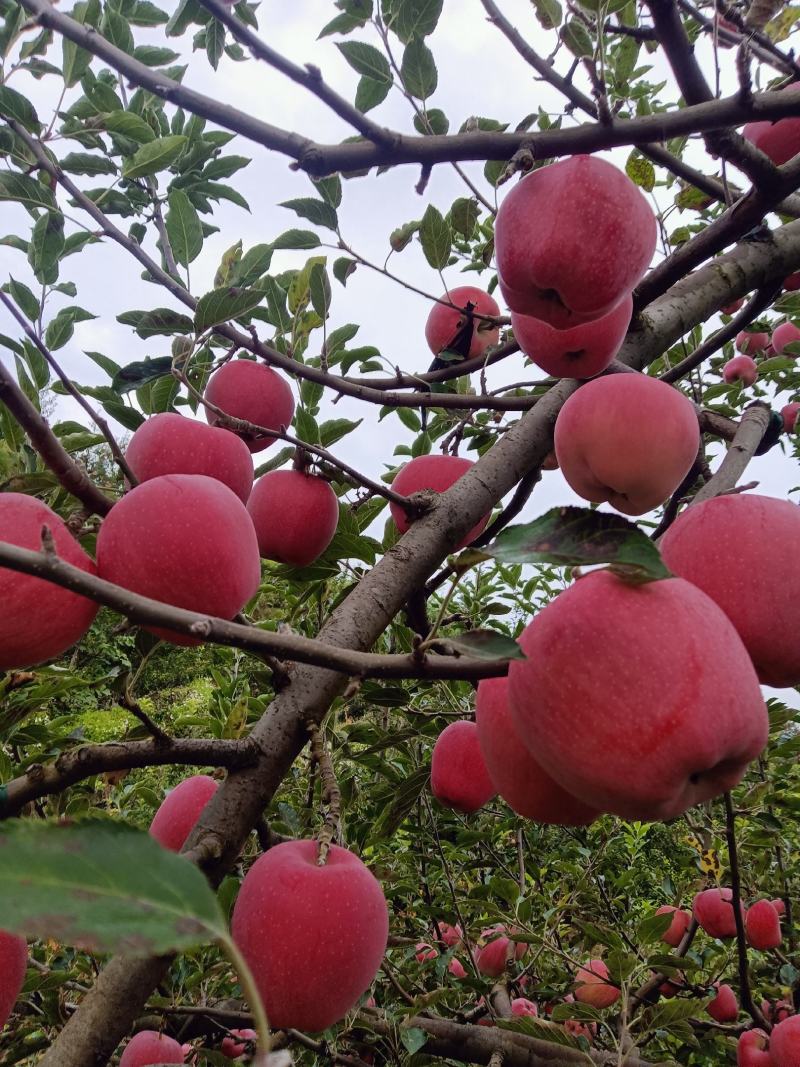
pixel 779 140
pixel 689 748
pixel 295 516
pixel 571 240
pixel 431 472
pixel 581 351
pixel 671 987
pixel 313 936
pixel 714 912
pixel 751 1050
pixel 521 1006
pixel 180 810
pixel 673 935
pixel 450 935
pixel 779 906
pixel 456 968
pixel 172 444
pixel 751 344
pixel 518 778
pixel 491 959
pixel 789 414
pixel 741 550
pixel 233 1048
pixel 424 952
pixel 13 965
pixel 731 309
pixel 784 1043
pixel 628 439
pixel 183 539
pixel 38 620
pixel 792 283
pixel 592 985
pixel 740 369
pixel 459 778
pixel 724 1008
pixel 785 334
pixel 446 327
pixel 149 1047
pixel 763 925
pixel 253 392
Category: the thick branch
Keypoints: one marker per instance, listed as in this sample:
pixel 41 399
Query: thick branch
pixel 748 437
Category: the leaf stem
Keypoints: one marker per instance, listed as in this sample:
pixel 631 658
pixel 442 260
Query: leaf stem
pixel 250 990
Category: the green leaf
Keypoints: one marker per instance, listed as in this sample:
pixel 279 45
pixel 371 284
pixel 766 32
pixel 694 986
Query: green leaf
pixel 297 239
pixel 114 27
pixel 135 375
pixel 549 13
pixel 370 93
pixel 24 298
pixel 125 416
pixel 464 215
pixel 418 70
pixel 102 886
pixel 60 329
pixel 14 105
pixel 127 124
pixel 403 800
pixel 277 460
pixel 433 121
pixel 652 927
pixel 47 244
pixel 343 267
pixel 183 227
pixel 75 60
pixel 156 323
pixel 485 644
pixel 253 264
pixel 319 288
pixel 316 211
pixel 641 171
pixel 414 18
pixel 366 60
pixel 153 56
pixel 434 233
pixel 215 41
pixel 154 156
pixel 571 537
pixel 87 163
pixel 222 305
pixel 335 429
pixel 413 1038
pixel 306 427
pixel 26 191
pixel 330 189
pixel 576 37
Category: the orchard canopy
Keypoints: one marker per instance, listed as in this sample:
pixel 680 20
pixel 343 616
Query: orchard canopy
pixel 399 533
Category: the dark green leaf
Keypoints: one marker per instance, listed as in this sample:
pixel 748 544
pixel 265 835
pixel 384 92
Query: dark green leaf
pixel 127 124
pixel 24 298
pixel 486 644
pixel 343 267
pixel 316 211
pixel 253 264
pixel 87 163
pixel 183 228
pixel 464 215
pixel 158 322
pixel 319 288
pixel 335 429
pixel 297 239
pixel 414 18
pixel 215 42
pixel 366 60
pixel 114 27
pixel 576 37
pixel 652 927
pixel 47 244
pixel 222 305
pixel 370 93
pixel 154 156
pixel 153 56
pixel 434 233
pixel 433 121
pixel 26 191
pixel 61 328
pixel 418 70
pixel 14 105
pixel 549 13
pixel 135 375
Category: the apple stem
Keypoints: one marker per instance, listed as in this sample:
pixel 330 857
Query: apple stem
pixel 252 995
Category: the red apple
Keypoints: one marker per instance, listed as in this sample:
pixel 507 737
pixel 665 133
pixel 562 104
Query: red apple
pixel 450 935
pixel 313 936
pixel 38 620
pixel 180 810
pixel 741 550
pixel 763 925
pixel 789 414
pixel 571 240
pixel 186 540
pixel 459 778
pixel 456 968
pixel 628 439
pixel 779 906
pixel 254 392
pixel 233 1048
pixel 521 1006
pixel 491 959
pixel 149 1047
pixel 13 965
pixel 740 369
pixel 784 1043
pixel 779 140
pixel 751 343
pixel 431 472
pixel 785 334
pixel 446 324
pixel 516 775
pixel 295 516
pixel 777 1012
pixel 592 985
pixel 792 283
pixel 724 1008
pixel 651 748
pixel 751 1050
pixel 714 912
pixel 731 309
pixel 673 935
pixel 672 987
pixel 580 351
pixel 424 952
pixel 171 444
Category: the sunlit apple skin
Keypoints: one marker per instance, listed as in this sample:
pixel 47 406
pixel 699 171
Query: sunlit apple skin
pixel 592 985
pixel 313 936
pixel 627 439
pixel 171 444
pixel 459 778
pixel 149 1047
pixel 13 965
pixel 742 369
pixel 751 343
pixel 491 959
pixel 445 322
pixel 435 472
pixel 741 550
pixel 673 935
pixel 424 952
pixel 784 1043
pixel 581 351
pixel 779 906
pixel 253 392
pixel 763 925
pixel 231 1047
pixel 516 775
pixel 785 334
pixel 456 968
pixel 789 414
pixel 751 1050
pixel 38 620
pixel 571 240
pixel 678 729
pixel 714 912
pixel 779 140
pixel 724 1008
pixel 521 1006
pixel 295 516
pixel 450 935
pixel 180 810
pixel 186 540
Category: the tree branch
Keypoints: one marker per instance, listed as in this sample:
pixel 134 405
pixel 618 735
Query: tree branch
pixel 752 427
pixel 745 992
